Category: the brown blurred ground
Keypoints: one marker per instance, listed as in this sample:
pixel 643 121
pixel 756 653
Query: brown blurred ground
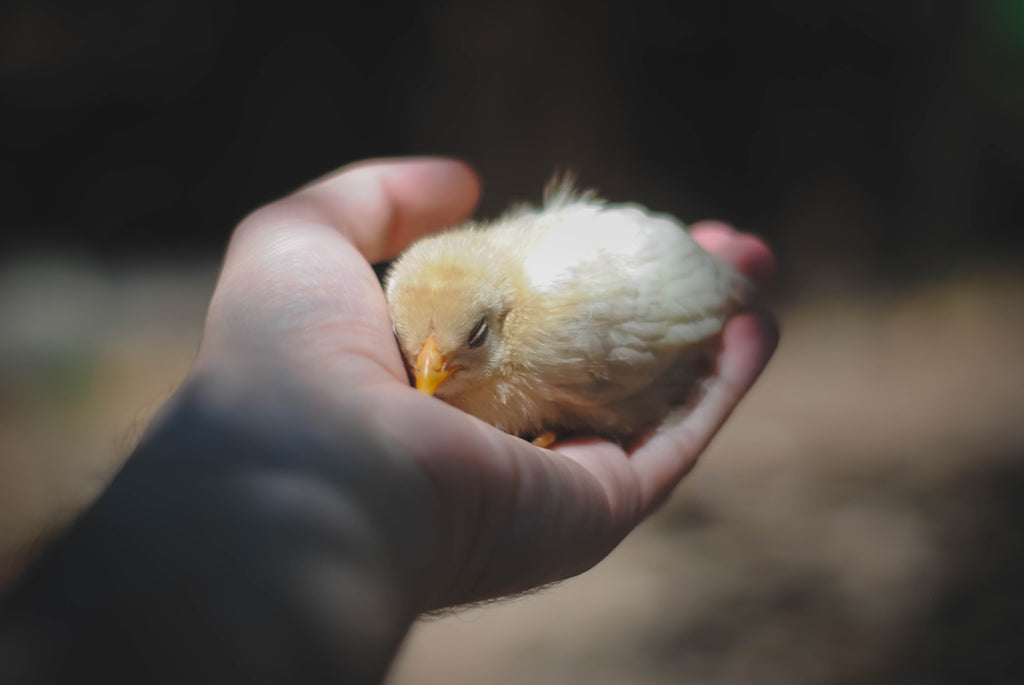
pixel 857 521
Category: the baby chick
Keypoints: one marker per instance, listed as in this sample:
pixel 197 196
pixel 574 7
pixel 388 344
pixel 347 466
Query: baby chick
pixel 580 316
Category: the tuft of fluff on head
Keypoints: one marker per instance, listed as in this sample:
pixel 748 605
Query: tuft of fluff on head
pixel 562 189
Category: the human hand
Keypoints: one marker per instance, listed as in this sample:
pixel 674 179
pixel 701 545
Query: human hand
pixel 298 313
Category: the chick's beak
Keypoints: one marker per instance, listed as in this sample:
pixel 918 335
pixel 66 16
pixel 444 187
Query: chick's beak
pixel 431 367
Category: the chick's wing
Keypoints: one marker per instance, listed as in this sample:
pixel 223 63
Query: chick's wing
pixel 628 292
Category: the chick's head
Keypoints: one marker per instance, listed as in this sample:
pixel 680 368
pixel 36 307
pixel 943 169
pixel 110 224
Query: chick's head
pixel 449 298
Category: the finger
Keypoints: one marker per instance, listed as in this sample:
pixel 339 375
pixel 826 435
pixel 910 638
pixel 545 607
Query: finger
pixel 753 258
pixel 746 253
pixel 382 205
pixel 748 342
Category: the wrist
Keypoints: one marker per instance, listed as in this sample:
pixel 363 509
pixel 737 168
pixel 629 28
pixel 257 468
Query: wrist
pixel 337 444
pixel 244 533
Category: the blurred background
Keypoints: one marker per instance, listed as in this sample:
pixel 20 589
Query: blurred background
pixel 859 520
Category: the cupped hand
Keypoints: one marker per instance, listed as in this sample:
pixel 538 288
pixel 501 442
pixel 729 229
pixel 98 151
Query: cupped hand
pixel 298 304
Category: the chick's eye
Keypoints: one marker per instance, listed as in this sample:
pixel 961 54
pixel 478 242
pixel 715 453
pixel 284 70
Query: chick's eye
pixel 478 335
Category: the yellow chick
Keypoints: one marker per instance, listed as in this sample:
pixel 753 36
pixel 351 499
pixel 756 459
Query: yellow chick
pixel 580 316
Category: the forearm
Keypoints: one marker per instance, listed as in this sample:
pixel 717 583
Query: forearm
pixel 229 549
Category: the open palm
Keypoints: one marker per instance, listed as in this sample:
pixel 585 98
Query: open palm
pixel 298 302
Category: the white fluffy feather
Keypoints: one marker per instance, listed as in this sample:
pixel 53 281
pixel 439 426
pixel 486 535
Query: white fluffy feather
pixel 602 316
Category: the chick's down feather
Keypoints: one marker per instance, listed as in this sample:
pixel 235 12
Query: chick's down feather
pixel 579 316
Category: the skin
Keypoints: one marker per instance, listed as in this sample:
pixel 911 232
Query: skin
pixel 331 501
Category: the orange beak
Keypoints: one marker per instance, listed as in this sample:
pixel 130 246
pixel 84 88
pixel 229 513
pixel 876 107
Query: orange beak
pixel 431 367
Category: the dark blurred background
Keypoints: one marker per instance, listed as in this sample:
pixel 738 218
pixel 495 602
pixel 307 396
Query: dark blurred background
pixel 867 134
pixel 858 521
